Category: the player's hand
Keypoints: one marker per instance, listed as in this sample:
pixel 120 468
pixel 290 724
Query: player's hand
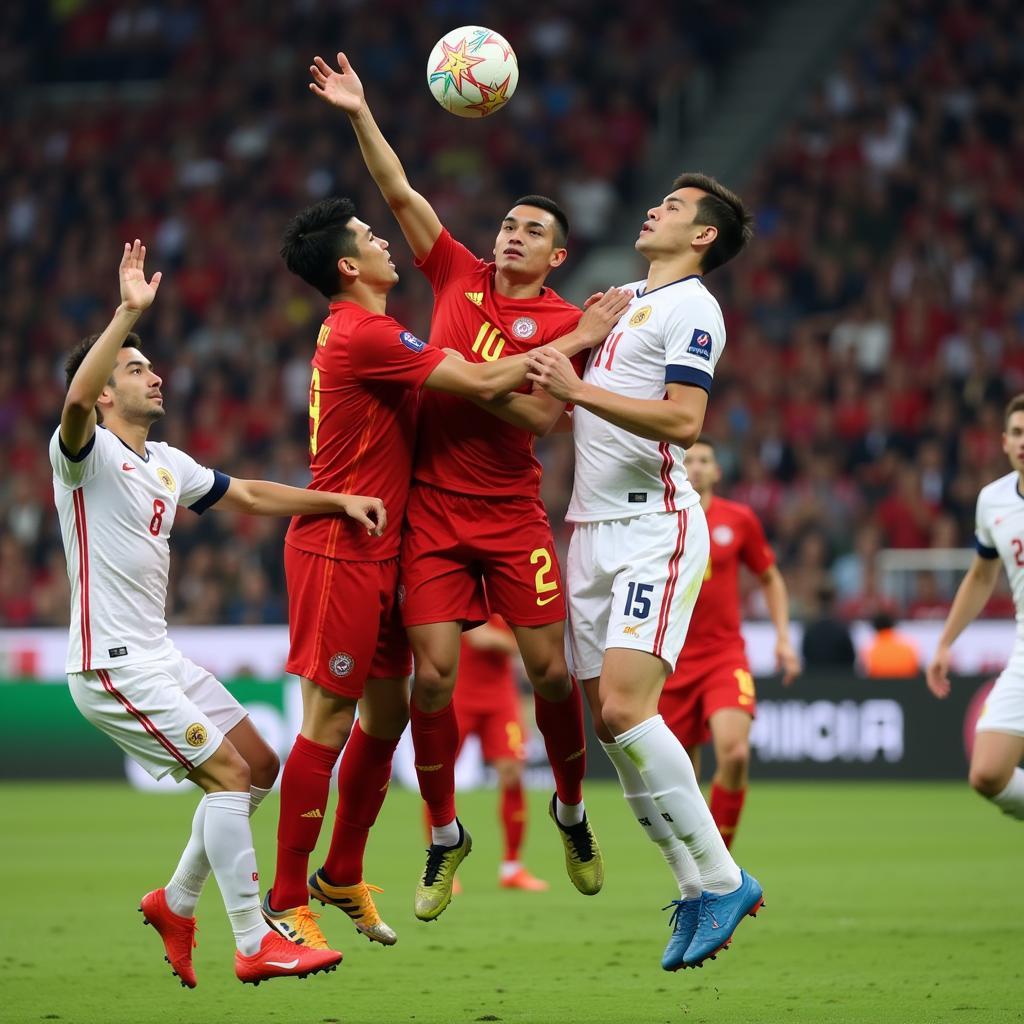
pixel 937 675
pixel 136 293
pixel 368 511
pixel 552 371
pixel 787 660
pixel 340 88
pixel 593 298
pixel 602 314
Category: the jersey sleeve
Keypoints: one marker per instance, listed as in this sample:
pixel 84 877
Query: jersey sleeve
pixel 755 553
pixel 447 259
pixel 984 542
pixel 694 340
pixel 383 350
pixel 74 470
pixel 201 488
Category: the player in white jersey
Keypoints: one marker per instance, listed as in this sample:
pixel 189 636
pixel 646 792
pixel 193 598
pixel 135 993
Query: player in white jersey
pixel 640 545
pixel 995 770
pixel 117 494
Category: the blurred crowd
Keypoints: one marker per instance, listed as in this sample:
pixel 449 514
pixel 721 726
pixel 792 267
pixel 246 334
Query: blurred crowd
pixel 875 329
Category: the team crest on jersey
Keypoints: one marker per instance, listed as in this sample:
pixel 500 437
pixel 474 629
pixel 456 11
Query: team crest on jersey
pixel 524 327
pixel 700 344
pixel 341 664
pixel 195 734
pixel 410 341
pixel 476 298
pixel 722 535
pixel 641 316
pixel 164 476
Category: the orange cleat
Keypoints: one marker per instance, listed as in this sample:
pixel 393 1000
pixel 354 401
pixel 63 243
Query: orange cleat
pixel 178 933
pixel 279 958
pixel 522 879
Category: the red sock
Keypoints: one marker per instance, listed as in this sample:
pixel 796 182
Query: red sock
pixel 435 740
pixel 362 785
pixel 305 785
pixel 561 724
pixel 726 806
pixel 513 819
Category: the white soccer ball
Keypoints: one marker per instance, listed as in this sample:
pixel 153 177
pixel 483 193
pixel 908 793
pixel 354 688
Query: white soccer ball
pixel 472 71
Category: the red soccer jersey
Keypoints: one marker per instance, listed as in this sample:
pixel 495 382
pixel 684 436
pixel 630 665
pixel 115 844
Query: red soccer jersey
pixel 367 370
pixel 485 677
pixel 736 537
pixel 461 447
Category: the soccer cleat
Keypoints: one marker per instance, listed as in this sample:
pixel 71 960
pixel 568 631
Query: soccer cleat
pixel 583 859
pixel 357 902
pixel 434 891
pixel 297 924
pixel 178 933
pixel 522 879
pixel 683 923
pixel 719 916
pixel 279 958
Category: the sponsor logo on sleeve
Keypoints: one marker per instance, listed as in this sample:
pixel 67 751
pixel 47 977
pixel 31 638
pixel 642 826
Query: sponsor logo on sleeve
pixel 700 345
pixel 195 734
pixel 411 342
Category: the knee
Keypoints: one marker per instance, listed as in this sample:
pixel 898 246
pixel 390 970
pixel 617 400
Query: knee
pixel 734 760
pixel 987 781
pixel 433 683
pixel 510 773
pixel 551 679
pixel 232 774
pixel 619 716
pixel 264 768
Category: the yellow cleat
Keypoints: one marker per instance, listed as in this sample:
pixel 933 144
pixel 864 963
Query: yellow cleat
pixel 357 902
pixel 583 860
pixel 297 925
pixel 434 892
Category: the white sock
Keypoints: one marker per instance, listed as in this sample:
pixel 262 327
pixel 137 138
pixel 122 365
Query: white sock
pixel 569 814
pixel 668 775
pixel 445 835
pixel 681 864
pixel 509 868
pixel 1011 799
pixel 228 839
pixel 186 884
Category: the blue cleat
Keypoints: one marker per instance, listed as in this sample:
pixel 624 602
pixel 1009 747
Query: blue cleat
pixel 683 923
pixel 719 916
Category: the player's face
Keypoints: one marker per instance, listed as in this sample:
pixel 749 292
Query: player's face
pixel 135 395
pixel 701 467
pixel 670 228
pixel 373 263
pixel 1013 441
pixel 525 246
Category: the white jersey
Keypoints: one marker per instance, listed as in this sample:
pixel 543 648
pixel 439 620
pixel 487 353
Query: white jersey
pixel 999 533
pixel 116 509
pixel 671 334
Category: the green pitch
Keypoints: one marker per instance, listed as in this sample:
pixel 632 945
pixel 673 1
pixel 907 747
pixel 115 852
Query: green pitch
pixel 885 903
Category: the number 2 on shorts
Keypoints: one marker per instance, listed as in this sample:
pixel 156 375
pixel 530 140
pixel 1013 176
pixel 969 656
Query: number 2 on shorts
pixel 541 581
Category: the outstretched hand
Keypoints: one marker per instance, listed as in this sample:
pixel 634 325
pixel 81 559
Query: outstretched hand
pixel 136 293
pixel 603 313
pixel 368 511
pixel 553 372
pixel 340 88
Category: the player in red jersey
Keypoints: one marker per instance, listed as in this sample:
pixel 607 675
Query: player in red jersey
pixel 711 693
pixel 487 706
pixel 474 513
pixel 347 641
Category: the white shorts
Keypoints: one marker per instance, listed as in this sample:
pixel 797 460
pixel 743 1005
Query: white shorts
pixel 168 715
pixel 633 583
pixel 1004 706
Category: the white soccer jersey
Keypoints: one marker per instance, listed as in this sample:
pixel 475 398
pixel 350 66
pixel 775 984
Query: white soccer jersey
pixel 116 509
pixel 999 533
pixel 671 334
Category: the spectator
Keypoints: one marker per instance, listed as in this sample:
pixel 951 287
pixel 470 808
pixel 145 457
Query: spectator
pixel 827 642
pixel 890 655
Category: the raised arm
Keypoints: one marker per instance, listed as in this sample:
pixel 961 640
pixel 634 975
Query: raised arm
pixel 78 417
pixel 342 89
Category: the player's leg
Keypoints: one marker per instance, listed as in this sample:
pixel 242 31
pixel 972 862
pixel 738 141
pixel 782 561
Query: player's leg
pixel 730 734
pixel 995 771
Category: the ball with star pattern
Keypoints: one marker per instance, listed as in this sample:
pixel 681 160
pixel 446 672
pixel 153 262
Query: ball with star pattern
pixel 472 71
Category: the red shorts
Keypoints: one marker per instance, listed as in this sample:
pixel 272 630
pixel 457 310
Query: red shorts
pixel 699 688
pixel 500 729
pixel 343 621
pixel 454 546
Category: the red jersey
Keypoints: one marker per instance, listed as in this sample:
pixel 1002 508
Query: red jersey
pixel 736 537
pixel 461 447
pixel 367 370
pixel 485 677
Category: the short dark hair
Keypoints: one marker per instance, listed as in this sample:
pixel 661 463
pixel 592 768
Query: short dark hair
pixel 550 206
pixel 77 356
pixel 705 439
pixel 316 239
pixel 723 209
pixel 1016 404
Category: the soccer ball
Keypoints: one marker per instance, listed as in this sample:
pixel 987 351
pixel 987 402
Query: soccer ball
pixel 472 71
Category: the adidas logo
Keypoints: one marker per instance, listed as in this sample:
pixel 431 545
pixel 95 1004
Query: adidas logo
pixel 476 298
pixel 429 767
pixel 315 813
pixel 579 753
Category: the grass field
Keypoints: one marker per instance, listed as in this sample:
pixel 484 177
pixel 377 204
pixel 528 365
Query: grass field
pixel 885 903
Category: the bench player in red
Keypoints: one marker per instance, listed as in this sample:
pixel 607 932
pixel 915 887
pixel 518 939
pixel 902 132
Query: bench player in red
pixel 474 512
pixel 711 693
